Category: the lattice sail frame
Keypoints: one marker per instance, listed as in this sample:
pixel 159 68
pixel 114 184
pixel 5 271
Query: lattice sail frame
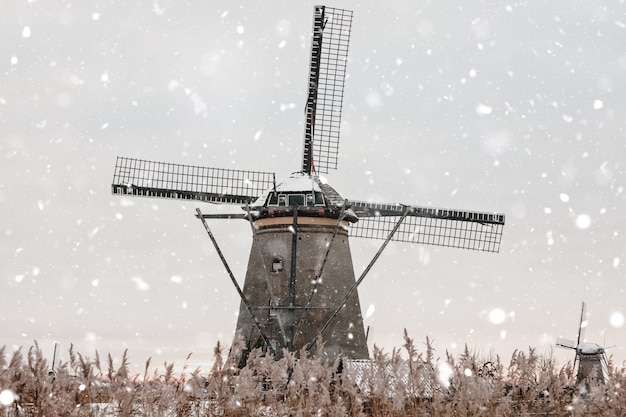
pixel 565 343
pixel 463 229
pixel 138 177
pixel 570 344
pixel 329 57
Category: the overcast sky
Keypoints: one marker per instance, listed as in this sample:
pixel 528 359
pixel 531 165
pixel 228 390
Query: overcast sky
pixel 514 107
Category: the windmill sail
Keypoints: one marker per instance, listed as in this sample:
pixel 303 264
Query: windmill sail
pixel 566 343
pixel 137 177
pixel 327 72
pixel 582 325
pixel 463 229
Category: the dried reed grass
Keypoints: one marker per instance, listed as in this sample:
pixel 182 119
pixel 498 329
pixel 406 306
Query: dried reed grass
pixel 404 382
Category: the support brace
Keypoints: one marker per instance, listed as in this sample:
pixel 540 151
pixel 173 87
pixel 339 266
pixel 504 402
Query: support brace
pixel 361 278
pixel 237 287
pixel 318 276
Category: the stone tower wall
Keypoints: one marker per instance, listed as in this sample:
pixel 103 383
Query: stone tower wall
pixel 271 260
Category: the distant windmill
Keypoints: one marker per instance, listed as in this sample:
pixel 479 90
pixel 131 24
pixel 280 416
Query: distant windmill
pixel 591 357
pixel 300 281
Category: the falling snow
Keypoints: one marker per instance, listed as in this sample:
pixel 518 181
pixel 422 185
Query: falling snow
pixel 444 373
pixel 7 397
pixel 483 109
pixel 434 115
pixel 497 316
pixel 140 284
pixel 583 221
pixel 617 319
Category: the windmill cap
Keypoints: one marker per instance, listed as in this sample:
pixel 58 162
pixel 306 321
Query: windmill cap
pixel 299 182
pixel 587 348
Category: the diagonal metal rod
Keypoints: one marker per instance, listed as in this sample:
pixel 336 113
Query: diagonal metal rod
pixel 319 274
pixel 232 278
pixel 361 278
pixel 292 281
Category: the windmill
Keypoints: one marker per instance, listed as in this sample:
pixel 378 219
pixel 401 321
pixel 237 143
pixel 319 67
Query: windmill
pixel 591 357
pixel 300 283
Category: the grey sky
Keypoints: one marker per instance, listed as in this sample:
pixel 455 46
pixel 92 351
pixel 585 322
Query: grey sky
pixel 512 107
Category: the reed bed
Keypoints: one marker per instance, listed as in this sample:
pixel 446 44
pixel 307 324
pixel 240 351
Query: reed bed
pixel 403 382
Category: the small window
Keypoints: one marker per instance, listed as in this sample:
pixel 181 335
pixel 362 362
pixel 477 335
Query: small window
pixel 296 199
pixel 277 264
pixel 319 199
pixel 282 200
pixel 275 302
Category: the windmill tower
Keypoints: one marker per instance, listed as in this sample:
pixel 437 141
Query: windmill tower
pixel 591 357
pixel 300 281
